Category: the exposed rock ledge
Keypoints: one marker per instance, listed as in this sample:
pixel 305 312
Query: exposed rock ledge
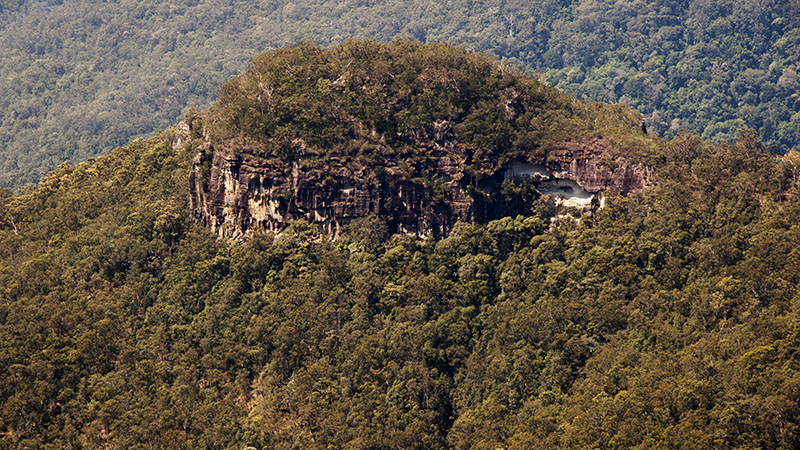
pixel 233 195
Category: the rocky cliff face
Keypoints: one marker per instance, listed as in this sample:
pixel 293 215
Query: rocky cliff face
pixel 234 195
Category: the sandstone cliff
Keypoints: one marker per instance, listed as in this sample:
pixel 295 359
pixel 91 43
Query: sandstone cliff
pixel 233 194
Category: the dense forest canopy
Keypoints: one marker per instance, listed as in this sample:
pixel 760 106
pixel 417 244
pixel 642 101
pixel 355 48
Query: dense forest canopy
pixel 669 319
pixel 379 102
pixel 79 77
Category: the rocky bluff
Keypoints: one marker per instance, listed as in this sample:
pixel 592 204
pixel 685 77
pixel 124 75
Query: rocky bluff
pixel 421 135
pixel 233 194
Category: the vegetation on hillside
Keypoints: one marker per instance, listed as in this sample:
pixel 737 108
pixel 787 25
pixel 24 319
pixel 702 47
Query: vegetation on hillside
pixel 396 103
pixel 668 320
pixel 79 77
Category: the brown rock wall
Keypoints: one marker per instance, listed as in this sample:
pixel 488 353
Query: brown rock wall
pixel 234 195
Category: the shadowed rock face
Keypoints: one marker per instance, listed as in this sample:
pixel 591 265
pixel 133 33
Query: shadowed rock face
pixel 234 195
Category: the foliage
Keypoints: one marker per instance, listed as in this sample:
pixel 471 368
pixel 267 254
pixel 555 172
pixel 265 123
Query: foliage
pixel 397 103
pixel 79 77
pixel 669 319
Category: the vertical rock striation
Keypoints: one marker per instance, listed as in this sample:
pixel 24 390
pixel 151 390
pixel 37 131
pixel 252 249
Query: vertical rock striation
pixel 234 195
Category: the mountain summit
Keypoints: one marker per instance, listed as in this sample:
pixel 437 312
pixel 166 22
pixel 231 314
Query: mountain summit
pixel 422 135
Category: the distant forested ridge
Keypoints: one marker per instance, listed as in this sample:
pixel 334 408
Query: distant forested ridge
pixel 79 77
pixel 668 319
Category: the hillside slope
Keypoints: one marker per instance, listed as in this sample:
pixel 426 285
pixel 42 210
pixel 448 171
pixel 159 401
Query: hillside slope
pixel 669 319
pixel 79 77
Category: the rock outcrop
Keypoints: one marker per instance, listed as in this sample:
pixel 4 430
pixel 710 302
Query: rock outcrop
pixel 234 194
pixel 422 135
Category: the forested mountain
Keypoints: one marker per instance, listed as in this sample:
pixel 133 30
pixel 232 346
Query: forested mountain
pixel 78 77
pixel 669 318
